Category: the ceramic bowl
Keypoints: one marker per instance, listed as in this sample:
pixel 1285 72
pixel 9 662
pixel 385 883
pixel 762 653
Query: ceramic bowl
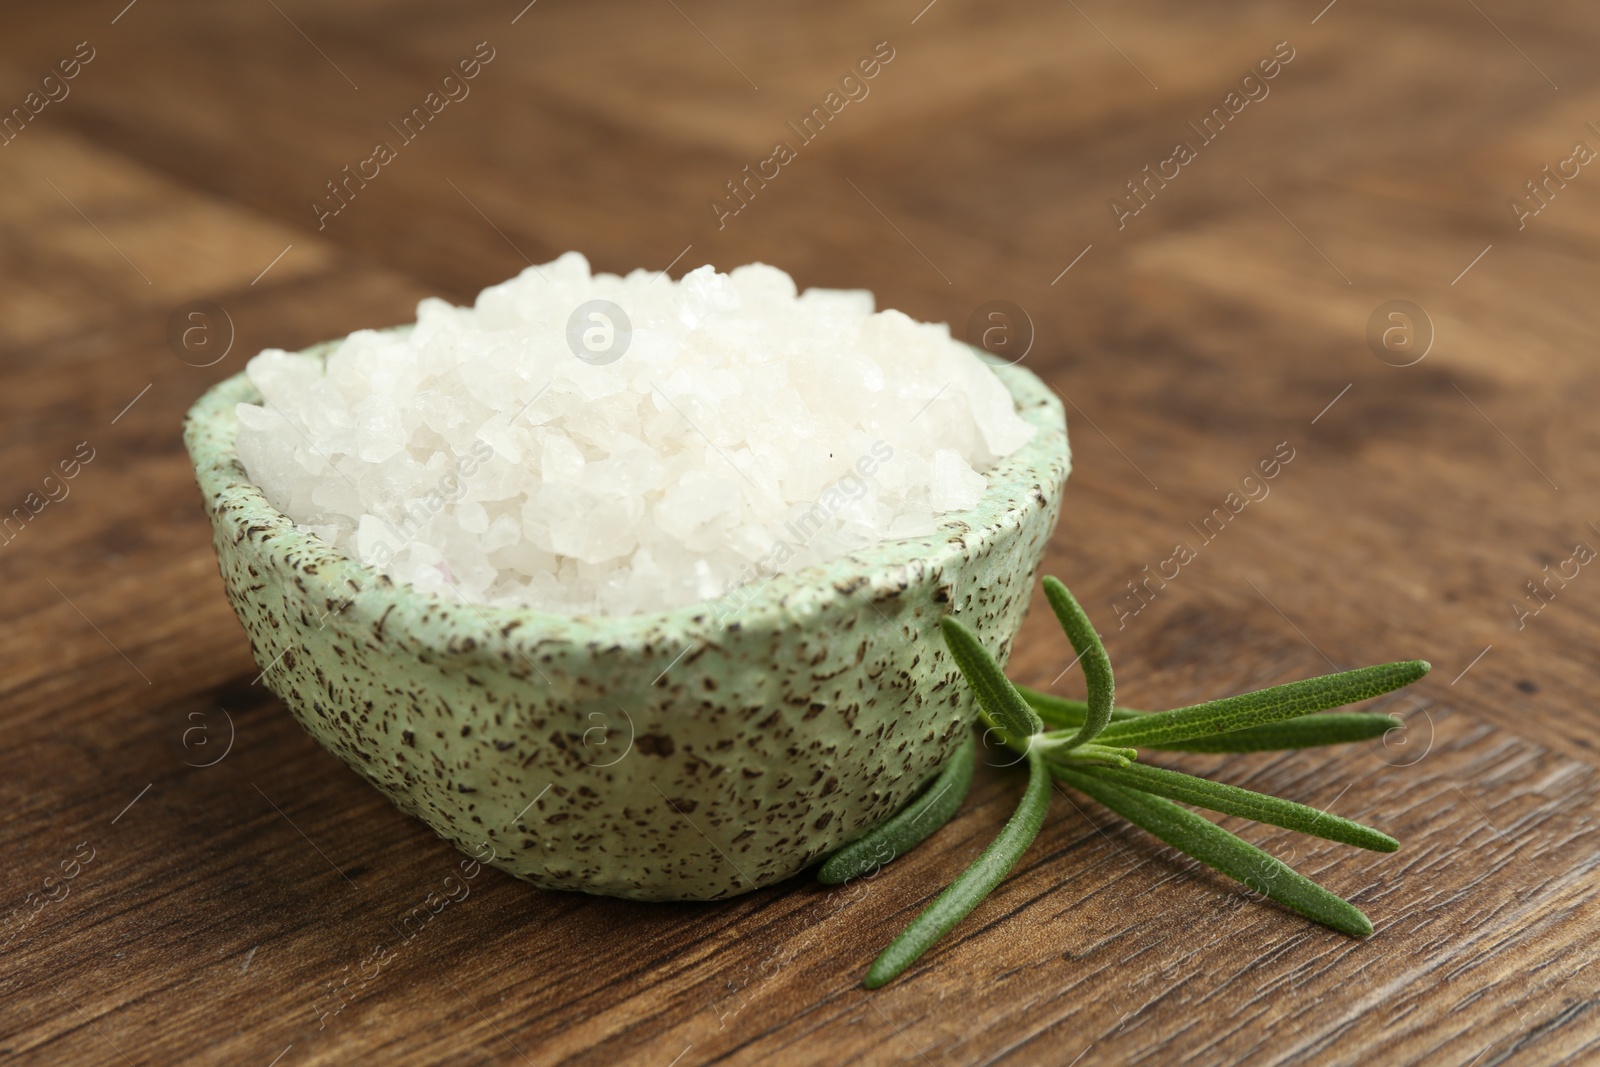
pixel 690 754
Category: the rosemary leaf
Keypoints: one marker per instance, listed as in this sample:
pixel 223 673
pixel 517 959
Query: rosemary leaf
pixel 1232 800
pixel 1065 713
pixel 932 809
pixel 1217 848
pixel 974 884
pixel 1091 653
pixel 1307 731
pixel 1090 754
pixel 996 695
pixel 1288 701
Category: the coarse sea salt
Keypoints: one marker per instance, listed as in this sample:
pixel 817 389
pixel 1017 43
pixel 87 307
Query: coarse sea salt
pixel 687 438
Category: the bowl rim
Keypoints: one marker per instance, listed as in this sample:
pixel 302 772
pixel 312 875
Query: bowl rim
pixel 1032 476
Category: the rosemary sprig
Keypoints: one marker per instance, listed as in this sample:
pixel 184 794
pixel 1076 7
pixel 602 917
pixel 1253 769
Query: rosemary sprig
pixel 1002 705
pixel 1065 713
pixel 1090 747
pixel 1091 654
pixel 1222 851
pixel 932 809
pixel 975 883
pixel 1287 701
pixel 1308 731
pixel 1246 803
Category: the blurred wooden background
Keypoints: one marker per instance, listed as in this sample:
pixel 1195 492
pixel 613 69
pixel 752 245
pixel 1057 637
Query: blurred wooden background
pixel 208 921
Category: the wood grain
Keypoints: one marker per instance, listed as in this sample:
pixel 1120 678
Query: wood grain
pixel 223 903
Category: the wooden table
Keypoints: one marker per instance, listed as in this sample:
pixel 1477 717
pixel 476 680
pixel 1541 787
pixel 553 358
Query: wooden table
pixel 1221 315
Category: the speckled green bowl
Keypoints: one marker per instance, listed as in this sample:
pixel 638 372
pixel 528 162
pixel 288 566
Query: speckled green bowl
pixel 661 756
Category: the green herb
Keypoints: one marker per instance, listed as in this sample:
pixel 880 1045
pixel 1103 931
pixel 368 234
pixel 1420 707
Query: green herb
pixel 932 809
pixel 975 883
pixel 999 699
pixel 1091 653
pixel 1222 851
pixel 1059 711
pixel 1266 706
pixel 1308 731
pixel 1231 800
pixel 1090 747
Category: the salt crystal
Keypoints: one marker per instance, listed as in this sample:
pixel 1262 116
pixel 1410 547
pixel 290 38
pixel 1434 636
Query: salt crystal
pixel 745 429
pixel 955 486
